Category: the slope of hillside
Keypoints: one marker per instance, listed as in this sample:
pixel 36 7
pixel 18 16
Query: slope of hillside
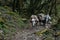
pixel 10 22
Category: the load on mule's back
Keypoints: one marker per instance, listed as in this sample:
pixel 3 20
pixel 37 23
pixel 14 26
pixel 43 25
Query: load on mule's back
pixel 34 20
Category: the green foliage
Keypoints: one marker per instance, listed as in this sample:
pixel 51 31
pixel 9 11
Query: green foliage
pixel 46 33
pixel 10 21
pixel 49 38
pixel 40 33
pixel 0 26
pixel 58 11
pixel 57 26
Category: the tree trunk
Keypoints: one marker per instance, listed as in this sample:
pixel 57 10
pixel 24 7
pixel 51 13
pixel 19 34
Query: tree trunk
pixel 14 5
pixel 31 7
pixel 20 8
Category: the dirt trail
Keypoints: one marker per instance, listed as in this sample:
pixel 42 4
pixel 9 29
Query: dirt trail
pixel 28 34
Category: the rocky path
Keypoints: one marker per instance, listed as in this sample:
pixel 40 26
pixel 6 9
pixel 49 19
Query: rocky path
pixel 28 34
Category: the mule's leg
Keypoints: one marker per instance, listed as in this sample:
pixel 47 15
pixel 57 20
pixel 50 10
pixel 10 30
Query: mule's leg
pixel 40 22
pixel 44 22
pixel 33 24
pixel 36 23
